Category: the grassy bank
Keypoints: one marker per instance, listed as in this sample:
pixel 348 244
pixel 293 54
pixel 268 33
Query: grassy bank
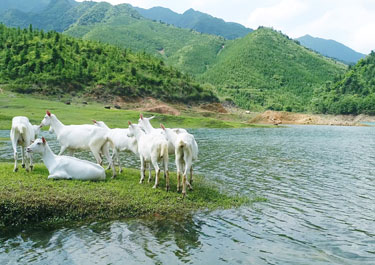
pixel 13 104
pixel 30 198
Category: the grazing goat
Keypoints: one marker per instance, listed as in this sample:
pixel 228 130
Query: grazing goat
pixel 186 151
pixel 151 148
pixel 120 141
pixel 23 133
pixel 81 137
pixel 66 167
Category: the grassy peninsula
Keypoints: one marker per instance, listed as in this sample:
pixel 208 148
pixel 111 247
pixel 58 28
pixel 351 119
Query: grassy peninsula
pixel 27 198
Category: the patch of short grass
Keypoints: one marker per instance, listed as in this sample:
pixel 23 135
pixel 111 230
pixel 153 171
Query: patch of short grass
pixel 30 198
pixel 13 104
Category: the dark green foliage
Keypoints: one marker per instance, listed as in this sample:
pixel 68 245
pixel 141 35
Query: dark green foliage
pixel 331 48
pixel 352 93
pixel 267 70
pixel 196 20
pixel 55 64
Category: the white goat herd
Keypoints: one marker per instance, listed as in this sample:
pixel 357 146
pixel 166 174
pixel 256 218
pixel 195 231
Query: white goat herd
pixel 151 145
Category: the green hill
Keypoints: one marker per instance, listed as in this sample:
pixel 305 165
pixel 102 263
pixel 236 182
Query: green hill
pixel 32 61
pixel 196 20
pixel 121 25
pixel 331 48
pixel 350 93
pixel 267 70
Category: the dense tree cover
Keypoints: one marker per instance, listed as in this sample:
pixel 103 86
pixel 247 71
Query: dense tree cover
pixel 267 70
pixel 52 63
pixel 351 93
pixel 201 22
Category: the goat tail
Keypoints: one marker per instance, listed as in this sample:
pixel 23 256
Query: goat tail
pixel 181 144
pixel 109 140
pixel 164 150
pixel 21 129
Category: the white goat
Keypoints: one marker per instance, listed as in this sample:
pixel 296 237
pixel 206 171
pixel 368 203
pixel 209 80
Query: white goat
pixel 186 151
pixel 81 137
pixel 23 133
pixel 151 148
pixel 147 127
pixel 120 140
pixel 66 167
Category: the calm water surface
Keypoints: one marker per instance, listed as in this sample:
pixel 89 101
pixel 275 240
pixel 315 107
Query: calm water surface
pixel 319 182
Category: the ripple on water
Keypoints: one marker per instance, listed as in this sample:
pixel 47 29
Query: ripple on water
pixel 319 182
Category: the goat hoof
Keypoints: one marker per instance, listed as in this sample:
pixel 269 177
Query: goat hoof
pixel 120 170
pixel 27 169
pixel 23 165
pixel 154 187
pixel 184 194
pixel 15 170
pixel 31 168
pixel 167 188
pixel 113 177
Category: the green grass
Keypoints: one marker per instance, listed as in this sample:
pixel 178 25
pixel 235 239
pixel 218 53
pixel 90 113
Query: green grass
pixel 13 104
pixel 30 198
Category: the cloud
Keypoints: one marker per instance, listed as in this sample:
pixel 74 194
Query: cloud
pixel 283 12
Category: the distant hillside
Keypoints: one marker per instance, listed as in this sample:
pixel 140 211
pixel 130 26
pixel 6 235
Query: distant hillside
pixel 267 70
pixel 196 20
pixel 58 15
pixel 350 93
pixel 24 5
pixel 32 61
pixel 332 49
pixel 121 25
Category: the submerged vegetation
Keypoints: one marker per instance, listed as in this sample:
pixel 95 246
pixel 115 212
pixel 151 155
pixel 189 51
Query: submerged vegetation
pixel 34 61
pixel 31 198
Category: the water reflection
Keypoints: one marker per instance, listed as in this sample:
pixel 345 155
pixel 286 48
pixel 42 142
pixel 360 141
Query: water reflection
pixel 319 182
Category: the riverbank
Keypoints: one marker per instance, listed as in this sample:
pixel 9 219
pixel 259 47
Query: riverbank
pixel 282 117
pixel 79 111
pixel 30 198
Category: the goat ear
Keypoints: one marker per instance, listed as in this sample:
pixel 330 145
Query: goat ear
pixel 141 116
pixel 162 126
pixel 151 118
pixel 44 140
pixel 48 113
pixel 177 131
pixel 94 121
pixel 129 122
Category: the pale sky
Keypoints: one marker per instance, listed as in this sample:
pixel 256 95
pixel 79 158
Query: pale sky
pixel 351 22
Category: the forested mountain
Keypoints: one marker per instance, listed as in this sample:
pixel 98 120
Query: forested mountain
pixel 23 5
pixel 192 19
pixel 267 70
pixel 33 61
pixel 263 70
pixel 121 25
pixel 350 93
pixel 332 49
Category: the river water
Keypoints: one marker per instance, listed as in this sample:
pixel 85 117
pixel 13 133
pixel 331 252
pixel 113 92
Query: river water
pixel 319 182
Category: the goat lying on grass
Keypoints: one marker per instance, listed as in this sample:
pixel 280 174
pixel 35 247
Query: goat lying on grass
pixel 66 167
pixel 23 133
pixel 82 137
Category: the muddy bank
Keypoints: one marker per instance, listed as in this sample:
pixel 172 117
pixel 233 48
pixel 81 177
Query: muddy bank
pixel 277 117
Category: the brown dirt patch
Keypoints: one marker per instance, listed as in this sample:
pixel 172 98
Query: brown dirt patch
pixel 214 107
